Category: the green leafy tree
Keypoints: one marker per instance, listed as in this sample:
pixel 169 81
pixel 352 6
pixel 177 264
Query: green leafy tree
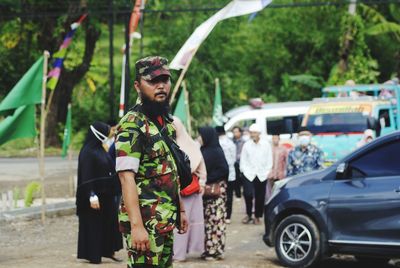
pixel 356 62
pixel 385 29
pixel 284 54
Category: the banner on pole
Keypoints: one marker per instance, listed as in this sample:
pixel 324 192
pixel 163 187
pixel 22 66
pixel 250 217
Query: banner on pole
pixel 233 9
pixel 19 125
pixel 27 91
pixel 19 105
pixel 133 24
pixel 181 109
pixel 59 56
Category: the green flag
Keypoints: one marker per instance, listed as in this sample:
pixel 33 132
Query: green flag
pixel 218 116
pixel 19 125
pixel 67 133
pixel 27 91
pixel 181 109
pixel 19 105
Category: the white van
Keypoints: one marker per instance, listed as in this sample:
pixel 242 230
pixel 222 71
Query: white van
pixel 282 118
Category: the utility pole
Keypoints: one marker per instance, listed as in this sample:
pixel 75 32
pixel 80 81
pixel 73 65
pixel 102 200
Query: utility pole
pixel 127 65
pixel 141 27
pixel 111 54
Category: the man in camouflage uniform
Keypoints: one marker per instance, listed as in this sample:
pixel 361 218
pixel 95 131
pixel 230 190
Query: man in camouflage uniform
pixel 147 170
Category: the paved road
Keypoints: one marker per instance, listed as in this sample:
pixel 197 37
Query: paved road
pixel 25 169
pixel 18 172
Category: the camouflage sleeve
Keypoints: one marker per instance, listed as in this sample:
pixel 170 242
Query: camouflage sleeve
pixel 129 147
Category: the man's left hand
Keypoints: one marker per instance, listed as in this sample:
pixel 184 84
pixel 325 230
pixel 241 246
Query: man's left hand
pixel 184 223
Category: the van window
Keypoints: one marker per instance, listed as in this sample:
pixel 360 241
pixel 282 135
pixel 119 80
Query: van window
pixel 244 124
pixel 283 125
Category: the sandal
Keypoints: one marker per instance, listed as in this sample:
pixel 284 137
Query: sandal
pixel 247 220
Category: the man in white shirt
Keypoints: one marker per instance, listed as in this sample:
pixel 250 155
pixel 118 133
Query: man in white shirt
pixel 229 149
pixel 256 164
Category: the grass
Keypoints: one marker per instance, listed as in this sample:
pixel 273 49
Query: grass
pixel 25 147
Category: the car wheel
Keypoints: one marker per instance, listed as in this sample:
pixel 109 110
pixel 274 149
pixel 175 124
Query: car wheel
pixel 372 261
pixel 297 241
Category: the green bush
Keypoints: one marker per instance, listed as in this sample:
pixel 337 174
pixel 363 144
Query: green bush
pixel 30 190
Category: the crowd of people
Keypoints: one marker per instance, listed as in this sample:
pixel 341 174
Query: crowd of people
pixel 129 181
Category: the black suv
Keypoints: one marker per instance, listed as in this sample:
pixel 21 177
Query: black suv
pixel 351 207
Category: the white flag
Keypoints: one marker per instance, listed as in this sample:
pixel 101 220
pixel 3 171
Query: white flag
pixel 233 9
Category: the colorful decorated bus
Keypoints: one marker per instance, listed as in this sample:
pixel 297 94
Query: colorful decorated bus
pixel 338 123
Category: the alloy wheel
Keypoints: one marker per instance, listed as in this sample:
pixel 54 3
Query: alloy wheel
pixel 295 242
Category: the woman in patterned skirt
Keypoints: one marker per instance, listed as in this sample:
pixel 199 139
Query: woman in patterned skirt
pixel 215 206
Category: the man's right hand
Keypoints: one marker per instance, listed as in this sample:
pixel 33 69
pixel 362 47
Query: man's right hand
pixel 140 239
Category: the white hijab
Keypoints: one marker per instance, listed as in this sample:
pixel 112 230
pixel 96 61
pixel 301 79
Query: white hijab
pixel 187 144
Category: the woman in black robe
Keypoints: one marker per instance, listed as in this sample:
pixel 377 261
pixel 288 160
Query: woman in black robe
pixel 215 207
pixel 95 199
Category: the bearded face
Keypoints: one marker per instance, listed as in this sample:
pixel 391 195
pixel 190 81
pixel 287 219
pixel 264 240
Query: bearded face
pixel 155 94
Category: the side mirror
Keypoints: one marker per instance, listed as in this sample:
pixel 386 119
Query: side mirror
pixel 341 170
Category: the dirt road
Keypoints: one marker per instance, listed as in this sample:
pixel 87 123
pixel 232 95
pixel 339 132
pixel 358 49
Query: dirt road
pixel 53 245
pixel 30 244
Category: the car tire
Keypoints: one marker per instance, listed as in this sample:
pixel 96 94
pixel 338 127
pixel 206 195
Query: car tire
pixel 372 261
pixel 298 241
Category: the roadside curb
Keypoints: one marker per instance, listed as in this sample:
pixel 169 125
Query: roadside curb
pixel 52 210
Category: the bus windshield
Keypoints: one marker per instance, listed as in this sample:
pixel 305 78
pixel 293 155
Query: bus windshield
pixel 337 122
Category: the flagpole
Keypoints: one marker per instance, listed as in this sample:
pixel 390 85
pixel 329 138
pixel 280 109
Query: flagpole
pixel 71 176
pixel 182 75
pixel 49 101
pixel 189 119
pixel 67 138
pixel 46 55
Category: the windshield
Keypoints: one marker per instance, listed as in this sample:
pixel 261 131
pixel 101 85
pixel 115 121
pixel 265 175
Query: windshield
pixel 337 122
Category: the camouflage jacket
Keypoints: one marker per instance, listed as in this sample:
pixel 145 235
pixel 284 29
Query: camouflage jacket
pixel 141 149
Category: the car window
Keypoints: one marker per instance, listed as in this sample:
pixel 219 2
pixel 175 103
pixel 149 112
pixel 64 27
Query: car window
pixel 283 125
pixel 378 162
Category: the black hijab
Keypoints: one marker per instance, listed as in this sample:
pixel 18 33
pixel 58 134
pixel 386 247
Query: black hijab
pixel 95 167
pixel 91 139
pixel 214 158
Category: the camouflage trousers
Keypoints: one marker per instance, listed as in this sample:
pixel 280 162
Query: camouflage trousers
pixel 159 255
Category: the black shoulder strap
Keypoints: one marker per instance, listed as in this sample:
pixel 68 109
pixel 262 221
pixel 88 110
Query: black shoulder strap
pixel 164 135
pixel 162 129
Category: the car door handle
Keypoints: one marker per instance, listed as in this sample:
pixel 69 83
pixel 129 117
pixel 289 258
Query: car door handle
pixel 397 190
